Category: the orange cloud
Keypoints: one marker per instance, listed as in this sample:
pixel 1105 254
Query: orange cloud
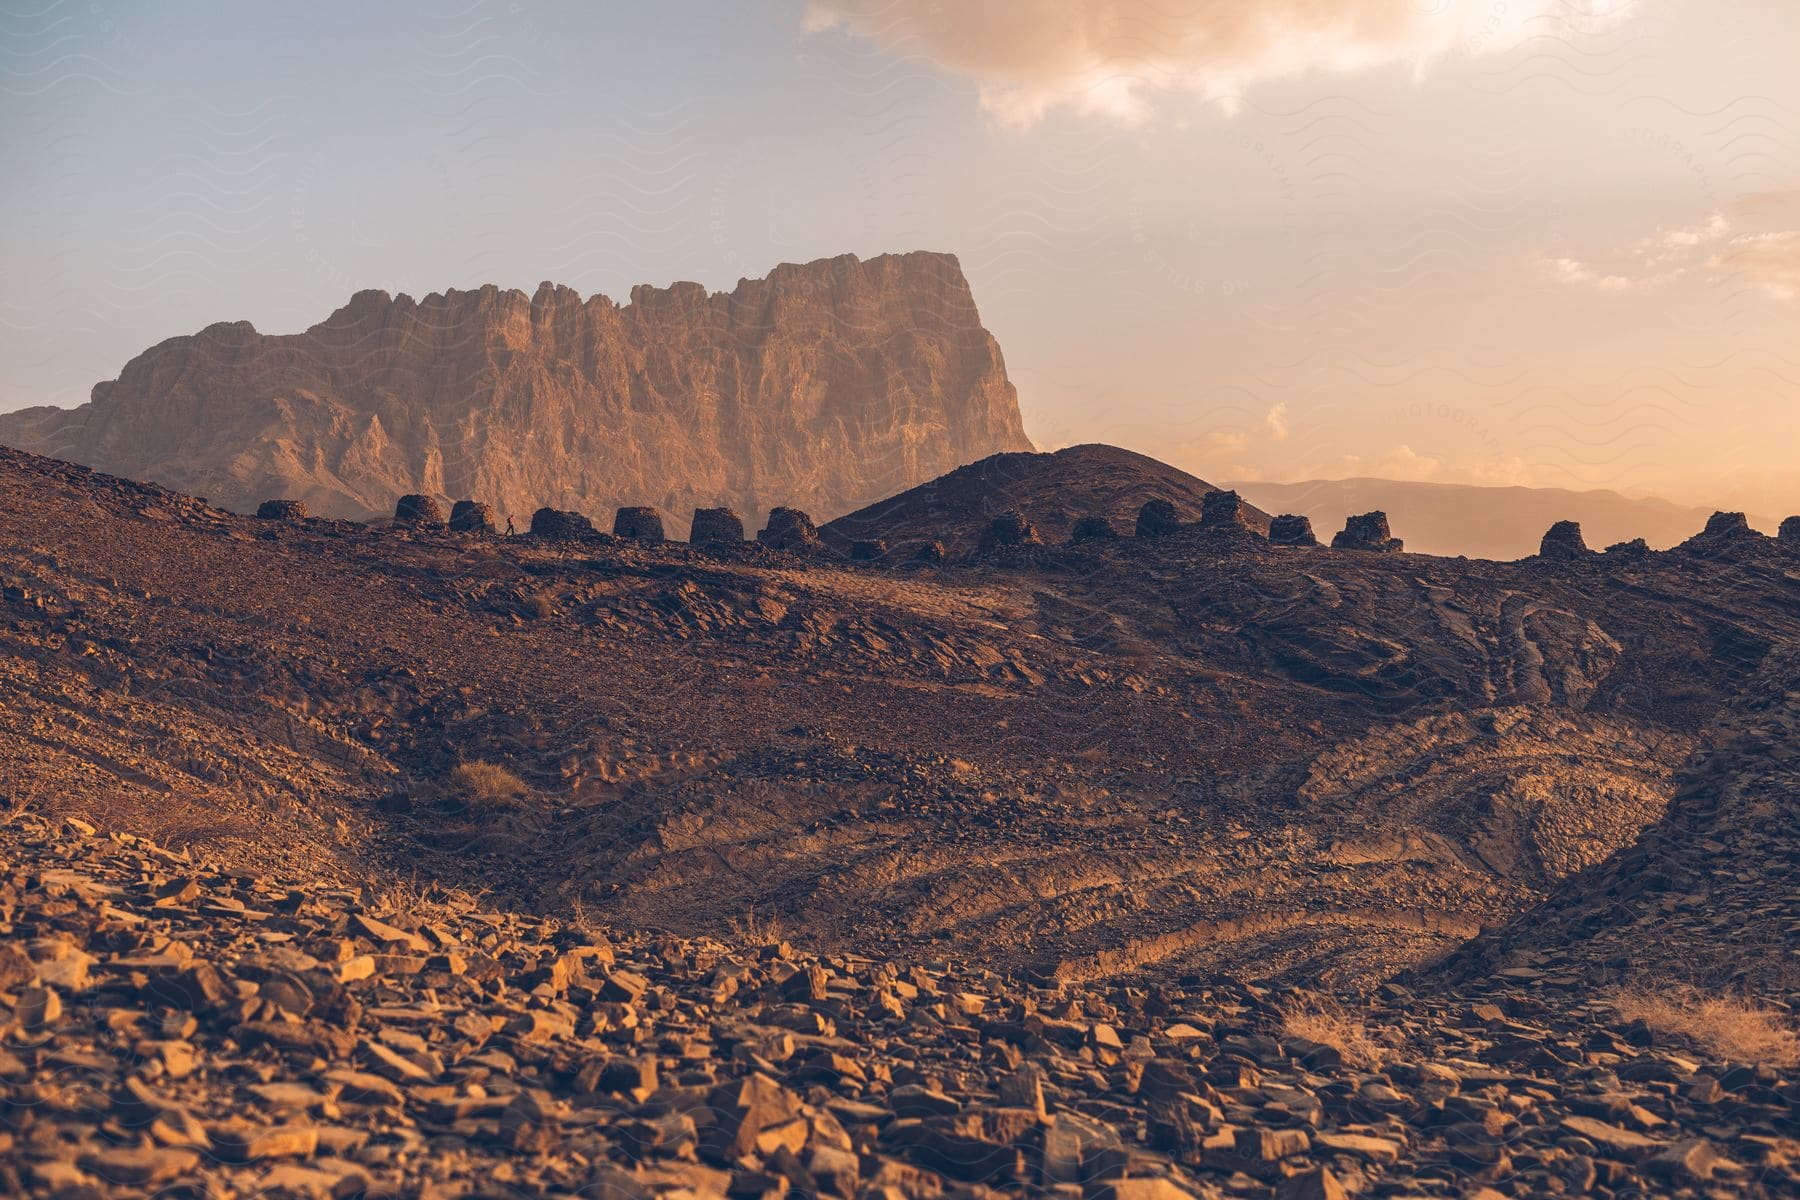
pixel 1111 56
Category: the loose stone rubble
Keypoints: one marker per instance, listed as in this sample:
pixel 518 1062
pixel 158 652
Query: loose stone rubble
pixel 716 527
pixel 1367 532
pixel 1224 510
pixel 181 1030
pixel 1009 530
pixel 1292 529
pixel 471 516
pixel 1093 529
pixel 281 510
pixel 1157 518
pixel 418 510
pixel 792 530
pixel 868 550
pixel 557 526
pixel 1563 540
pixel 638 523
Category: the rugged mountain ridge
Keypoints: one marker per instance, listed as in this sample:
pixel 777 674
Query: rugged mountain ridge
pixel 823 385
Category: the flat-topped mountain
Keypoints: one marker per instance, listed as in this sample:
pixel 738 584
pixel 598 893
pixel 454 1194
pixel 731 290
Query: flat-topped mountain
pixel 823 386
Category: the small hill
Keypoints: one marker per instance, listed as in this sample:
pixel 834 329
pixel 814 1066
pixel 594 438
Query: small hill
pixel 1707 896
pixel 1501 523
pixel 1052 490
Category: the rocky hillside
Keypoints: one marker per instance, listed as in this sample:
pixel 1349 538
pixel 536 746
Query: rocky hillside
pixel 824 386
pixel 1135 757
pixel 1708 895
pixel 1051 491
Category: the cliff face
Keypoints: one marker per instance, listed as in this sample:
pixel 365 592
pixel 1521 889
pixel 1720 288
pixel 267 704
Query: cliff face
pixel 823 386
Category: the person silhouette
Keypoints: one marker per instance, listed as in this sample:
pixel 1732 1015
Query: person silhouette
pixel 511 530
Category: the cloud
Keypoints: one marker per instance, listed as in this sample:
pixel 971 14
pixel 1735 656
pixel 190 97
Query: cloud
pixel 1770 261
pixel 1111 57
pixel 1403 462
pixel 1276 421
pixel 1569 270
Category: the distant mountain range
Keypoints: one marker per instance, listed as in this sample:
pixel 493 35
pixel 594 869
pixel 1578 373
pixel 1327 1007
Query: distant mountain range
pixel 1484 522
pixel 824 386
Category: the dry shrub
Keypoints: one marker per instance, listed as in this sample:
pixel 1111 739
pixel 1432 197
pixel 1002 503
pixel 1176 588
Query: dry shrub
pixel 752 930
pixel 1723 1026
pixel 481 788
pixel 1315 1019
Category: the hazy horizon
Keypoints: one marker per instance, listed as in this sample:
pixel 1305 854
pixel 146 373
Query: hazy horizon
pixel 1549 243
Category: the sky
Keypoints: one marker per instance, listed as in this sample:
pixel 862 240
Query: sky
pixel 1546 242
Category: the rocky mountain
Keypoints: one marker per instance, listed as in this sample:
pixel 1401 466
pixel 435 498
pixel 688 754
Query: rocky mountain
pixel 1052 492
pixel 823 386
pixel 1484 522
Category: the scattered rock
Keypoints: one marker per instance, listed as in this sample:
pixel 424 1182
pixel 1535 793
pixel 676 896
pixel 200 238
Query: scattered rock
pixel 868 550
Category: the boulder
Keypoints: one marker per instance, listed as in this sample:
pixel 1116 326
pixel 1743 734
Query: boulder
pixel 471 516
pixel 639 523
pixel 1007 530
pixel 790 529
pixel 416 509
pixel 872 550
pixel 1789 533
pixel 281 510
pixel 716 527
pixel 1367 532
pixel 1291 529
pixel 556 525
pixel 1093 529
pixel 1635 548
pixel 1563 540
pixel 1223 510
pixel 929 552
pixel 1156 518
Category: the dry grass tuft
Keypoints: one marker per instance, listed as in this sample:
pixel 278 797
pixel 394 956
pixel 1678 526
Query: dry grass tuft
pixel 483 787
pixel 752 930
pixel 1724 1026
pixel 1315 1019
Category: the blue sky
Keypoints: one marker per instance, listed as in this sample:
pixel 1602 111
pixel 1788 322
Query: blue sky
pixel 1401 240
